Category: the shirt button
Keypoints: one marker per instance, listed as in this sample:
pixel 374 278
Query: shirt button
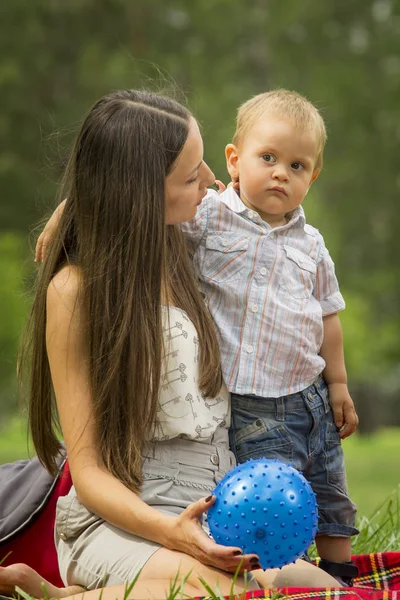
pixel 254 308
pixel 249 349
pixel 263 271
pixel 225 242
pixel 250 214
pixel 63 537
pixel 214 459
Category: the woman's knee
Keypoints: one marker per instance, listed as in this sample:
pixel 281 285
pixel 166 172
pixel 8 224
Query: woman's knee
pixel 303 574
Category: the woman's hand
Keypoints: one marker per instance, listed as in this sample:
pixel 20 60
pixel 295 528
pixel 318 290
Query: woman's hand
pixel 45 238
pixel 187 535
pixel 222 187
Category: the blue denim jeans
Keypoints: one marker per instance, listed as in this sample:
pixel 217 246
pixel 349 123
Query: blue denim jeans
pixel 299 429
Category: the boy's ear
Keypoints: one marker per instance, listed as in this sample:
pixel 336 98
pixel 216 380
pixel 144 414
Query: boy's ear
pixel 314 177
pixel 232 161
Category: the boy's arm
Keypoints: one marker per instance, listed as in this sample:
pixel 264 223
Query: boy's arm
pixel 335 375
pixel 331 300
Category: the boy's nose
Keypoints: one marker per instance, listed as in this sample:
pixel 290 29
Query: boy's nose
pixel 280 173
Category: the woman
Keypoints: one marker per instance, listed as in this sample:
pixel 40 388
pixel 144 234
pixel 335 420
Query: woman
pixel 124 351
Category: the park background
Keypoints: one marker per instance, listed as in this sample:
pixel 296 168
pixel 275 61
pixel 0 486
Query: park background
pixel 58 57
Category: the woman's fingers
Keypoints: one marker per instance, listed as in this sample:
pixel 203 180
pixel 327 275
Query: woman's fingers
pixel 41 247
pixel 195 510
pixel 195 541
pixel 228 559
pixel 221 186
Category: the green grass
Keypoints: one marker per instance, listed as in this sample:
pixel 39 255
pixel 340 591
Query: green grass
pixel 372 462
pixel 380 532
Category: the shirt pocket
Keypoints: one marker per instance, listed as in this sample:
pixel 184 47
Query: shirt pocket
pixel 299 273
pixel 225 256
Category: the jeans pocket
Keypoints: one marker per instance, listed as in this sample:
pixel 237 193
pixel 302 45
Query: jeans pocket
pixel 259 437
pixel 334 458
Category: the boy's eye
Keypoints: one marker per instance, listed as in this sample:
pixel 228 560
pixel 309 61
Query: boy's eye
pixel 297 166
pixel 269 158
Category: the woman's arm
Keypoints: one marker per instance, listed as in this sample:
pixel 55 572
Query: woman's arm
pixel 44 239
pixel 96 488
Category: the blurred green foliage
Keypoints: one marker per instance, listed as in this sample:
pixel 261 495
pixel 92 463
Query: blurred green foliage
pixel 13 310
pixel 59 57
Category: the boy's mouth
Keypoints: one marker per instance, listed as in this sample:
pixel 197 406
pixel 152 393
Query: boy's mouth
pixel 279 189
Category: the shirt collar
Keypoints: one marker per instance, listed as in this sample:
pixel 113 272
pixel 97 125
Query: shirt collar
pixel 232 200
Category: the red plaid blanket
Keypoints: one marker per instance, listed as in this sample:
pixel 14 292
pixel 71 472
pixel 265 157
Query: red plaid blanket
pixel 378 579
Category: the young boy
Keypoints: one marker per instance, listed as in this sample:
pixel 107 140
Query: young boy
pixel 272 290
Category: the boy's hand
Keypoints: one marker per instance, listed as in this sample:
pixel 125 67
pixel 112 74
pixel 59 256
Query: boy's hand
pixel 342 405
pixel 45 238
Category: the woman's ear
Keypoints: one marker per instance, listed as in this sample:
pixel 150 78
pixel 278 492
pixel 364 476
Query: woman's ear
pixel 232 161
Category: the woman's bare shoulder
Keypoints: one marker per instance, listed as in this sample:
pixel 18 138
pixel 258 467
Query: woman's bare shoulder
pixel 64 288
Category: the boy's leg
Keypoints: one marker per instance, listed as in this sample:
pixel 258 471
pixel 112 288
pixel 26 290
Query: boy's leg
pixel 327 474
pixel 294 430
pixel 337 548
pixel 340 564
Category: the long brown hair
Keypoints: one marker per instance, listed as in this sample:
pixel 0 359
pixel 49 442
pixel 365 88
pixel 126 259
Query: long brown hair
pixel 113 227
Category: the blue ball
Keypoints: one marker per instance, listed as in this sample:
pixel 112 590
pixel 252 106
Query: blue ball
pixel 265 507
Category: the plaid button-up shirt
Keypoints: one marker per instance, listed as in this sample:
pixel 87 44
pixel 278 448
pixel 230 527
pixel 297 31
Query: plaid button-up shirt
pixel 267 289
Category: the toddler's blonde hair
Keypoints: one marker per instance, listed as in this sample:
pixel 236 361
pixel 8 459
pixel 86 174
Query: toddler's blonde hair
pixel 282 104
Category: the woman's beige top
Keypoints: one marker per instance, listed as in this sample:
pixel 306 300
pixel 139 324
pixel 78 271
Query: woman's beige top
pixel 182 410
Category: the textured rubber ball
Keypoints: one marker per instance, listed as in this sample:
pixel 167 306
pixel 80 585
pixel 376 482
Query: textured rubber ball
pixel 265 507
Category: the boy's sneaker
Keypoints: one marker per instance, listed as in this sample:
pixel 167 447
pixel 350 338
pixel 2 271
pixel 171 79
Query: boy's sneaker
pixel 343 572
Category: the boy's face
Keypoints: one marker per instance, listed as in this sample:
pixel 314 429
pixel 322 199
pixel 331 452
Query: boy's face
pixel 275 166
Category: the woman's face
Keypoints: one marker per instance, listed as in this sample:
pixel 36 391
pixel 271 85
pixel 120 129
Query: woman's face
pixel 187 183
